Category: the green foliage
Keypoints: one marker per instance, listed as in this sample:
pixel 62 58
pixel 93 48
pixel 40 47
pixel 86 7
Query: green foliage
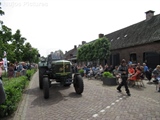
pixel 81 71
pixel 14 45
pixel 99 49
pixel 14 89
pixel 1 12
pixel 107 75
pixel 29 73
pixel 30 53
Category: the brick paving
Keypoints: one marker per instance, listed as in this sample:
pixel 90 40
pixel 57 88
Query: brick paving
pixel 98 102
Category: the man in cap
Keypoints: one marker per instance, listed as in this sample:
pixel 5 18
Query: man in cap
pixel 123 70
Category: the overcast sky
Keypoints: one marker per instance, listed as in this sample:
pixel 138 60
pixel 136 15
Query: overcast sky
pixel 60 24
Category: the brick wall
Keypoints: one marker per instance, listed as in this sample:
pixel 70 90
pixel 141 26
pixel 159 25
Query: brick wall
pixel 139 50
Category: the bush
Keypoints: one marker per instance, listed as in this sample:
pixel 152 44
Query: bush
pixel 14 90
pixel 29 73
pixel 81 71
pixel 108 75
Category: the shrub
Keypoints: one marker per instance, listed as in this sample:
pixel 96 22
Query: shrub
pixel 14 89
pixel 29 73
pixel 107 75
pixel 81 71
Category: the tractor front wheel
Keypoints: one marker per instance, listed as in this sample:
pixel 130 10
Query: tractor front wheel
pixel 46 85
pixel 78 84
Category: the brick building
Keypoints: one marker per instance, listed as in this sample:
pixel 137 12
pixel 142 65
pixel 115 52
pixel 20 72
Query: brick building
pixel 71 55
pixel 139 42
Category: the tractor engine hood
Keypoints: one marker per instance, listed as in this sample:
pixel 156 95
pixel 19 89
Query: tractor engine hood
pixel 61 66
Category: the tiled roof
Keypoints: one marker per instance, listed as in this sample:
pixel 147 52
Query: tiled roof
pixel 72 51
pixel 144 32
pixel 137 34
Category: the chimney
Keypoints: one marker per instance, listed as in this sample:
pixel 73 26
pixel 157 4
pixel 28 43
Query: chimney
pixel 83 42
pixel 149 14
pixel 75 46
pixel 101 35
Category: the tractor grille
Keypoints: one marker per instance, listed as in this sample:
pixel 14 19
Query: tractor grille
pixel 61 68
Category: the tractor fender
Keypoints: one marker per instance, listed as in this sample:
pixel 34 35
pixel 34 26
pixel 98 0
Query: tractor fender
pixel 76 74
pixel 75 77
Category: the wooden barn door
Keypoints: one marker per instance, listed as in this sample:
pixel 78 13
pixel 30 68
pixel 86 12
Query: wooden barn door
pixel 116 59
pixel 152 59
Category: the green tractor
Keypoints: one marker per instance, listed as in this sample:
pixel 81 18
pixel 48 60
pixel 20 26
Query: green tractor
pixel 54 68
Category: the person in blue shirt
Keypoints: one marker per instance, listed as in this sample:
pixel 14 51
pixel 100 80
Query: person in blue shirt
pixel 145 67
pixel 130 63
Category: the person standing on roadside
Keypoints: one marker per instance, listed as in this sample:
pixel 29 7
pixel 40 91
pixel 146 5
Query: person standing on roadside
pixel 123 70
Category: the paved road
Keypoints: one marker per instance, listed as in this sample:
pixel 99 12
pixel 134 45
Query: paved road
pixel 98 102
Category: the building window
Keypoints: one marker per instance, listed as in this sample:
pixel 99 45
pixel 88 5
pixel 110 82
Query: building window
pixel 133 57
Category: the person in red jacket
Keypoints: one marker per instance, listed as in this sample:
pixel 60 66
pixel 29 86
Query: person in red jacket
pixel 131 70
pixel 136 75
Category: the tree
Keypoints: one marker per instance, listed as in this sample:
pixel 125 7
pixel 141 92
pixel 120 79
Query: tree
pixel 18 42
pixel 5 39
pixel 102 46
pixel 81 54
pixel 1 12
pixel 98 50
pixel 14 46
pixel 30 54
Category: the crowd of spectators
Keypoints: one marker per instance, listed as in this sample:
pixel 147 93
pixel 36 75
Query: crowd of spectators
pixel 135 71
pixel 17 69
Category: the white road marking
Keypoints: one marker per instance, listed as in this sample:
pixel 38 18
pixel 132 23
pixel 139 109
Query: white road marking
pixel 117 100
pixel 95 115
pixel 113 104
pixel 102 110
pixel 108 107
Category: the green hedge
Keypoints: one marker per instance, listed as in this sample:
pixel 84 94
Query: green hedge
pixel 14 89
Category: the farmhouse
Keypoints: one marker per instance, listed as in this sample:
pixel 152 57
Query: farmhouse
pixel 139 42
